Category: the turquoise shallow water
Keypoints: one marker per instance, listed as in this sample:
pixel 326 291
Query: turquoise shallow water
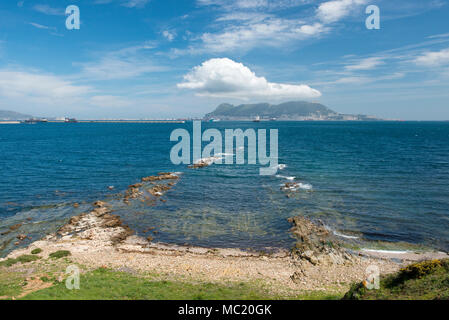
pixel 375 180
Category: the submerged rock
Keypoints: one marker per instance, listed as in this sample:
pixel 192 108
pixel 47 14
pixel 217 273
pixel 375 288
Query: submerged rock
pixel 15 227
pixel 148 195
pixel 21 237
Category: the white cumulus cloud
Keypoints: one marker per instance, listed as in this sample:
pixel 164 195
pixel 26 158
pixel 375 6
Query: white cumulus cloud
pixel 225 78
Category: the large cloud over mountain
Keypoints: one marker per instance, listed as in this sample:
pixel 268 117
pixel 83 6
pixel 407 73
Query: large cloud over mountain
pixel 225 78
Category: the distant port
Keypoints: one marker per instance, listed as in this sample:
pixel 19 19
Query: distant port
pixel 35 120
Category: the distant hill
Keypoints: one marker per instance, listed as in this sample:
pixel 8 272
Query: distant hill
pixel 11 115
pixel 294 110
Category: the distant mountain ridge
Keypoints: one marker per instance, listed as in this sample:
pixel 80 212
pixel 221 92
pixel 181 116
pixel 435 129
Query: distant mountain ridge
pixel 11 115
pixel 293 110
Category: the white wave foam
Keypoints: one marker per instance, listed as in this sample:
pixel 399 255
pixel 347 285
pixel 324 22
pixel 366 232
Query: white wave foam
pixel 285 177
pixel 177 174
pixel 305 186
pixel 297 185
pixel 344 235
pixel 385 251
pixel 225 154
pixel 208 160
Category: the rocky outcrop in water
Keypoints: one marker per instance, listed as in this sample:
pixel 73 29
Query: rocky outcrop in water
pixel 105 228
pixel 96 225
pixel 149 193
pixel 161 176
pixel 200 164
pixel 315 244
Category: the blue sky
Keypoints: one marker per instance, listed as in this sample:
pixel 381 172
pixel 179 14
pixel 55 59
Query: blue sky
pixel 166 58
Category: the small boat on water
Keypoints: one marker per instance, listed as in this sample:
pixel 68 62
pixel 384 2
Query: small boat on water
pixel 257 119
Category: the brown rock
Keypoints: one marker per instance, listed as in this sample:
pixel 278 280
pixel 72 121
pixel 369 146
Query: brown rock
pixel 21 237
pixel 198 165
pixel 127 231
pixel 99 204
pixel 100 211
pixel 161 176
pixel 316 244
pixel 111 221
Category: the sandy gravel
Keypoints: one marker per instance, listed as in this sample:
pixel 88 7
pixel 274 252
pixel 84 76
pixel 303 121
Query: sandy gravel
pixel 282 273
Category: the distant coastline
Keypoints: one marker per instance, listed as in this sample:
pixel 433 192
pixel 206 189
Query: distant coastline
pixel 287 111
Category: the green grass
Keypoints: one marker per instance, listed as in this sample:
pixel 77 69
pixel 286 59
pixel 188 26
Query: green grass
pixel 427 280
pixel 105 284
pixel 319 295
pixel 22 259
pixel 59 254
pixel 10 284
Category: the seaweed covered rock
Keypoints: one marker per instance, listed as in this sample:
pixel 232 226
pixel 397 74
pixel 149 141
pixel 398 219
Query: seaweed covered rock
pixel 316 244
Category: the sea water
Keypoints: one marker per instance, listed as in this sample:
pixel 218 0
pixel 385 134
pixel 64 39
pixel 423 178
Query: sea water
pixel 385 181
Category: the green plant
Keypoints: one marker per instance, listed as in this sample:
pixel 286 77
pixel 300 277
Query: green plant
pixel 36 251
pixel 60 254
pixel 419 270
pixel 427 280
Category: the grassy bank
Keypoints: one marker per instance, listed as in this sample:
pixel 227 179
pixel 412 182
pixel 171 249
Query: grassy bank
pixel 428 280
pixel 108 284
pixel 42 279
pixel 35 277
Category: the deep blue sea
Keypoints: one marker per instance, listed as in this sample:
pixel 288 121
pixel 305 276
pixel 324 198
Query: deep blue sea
pixel 385 181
